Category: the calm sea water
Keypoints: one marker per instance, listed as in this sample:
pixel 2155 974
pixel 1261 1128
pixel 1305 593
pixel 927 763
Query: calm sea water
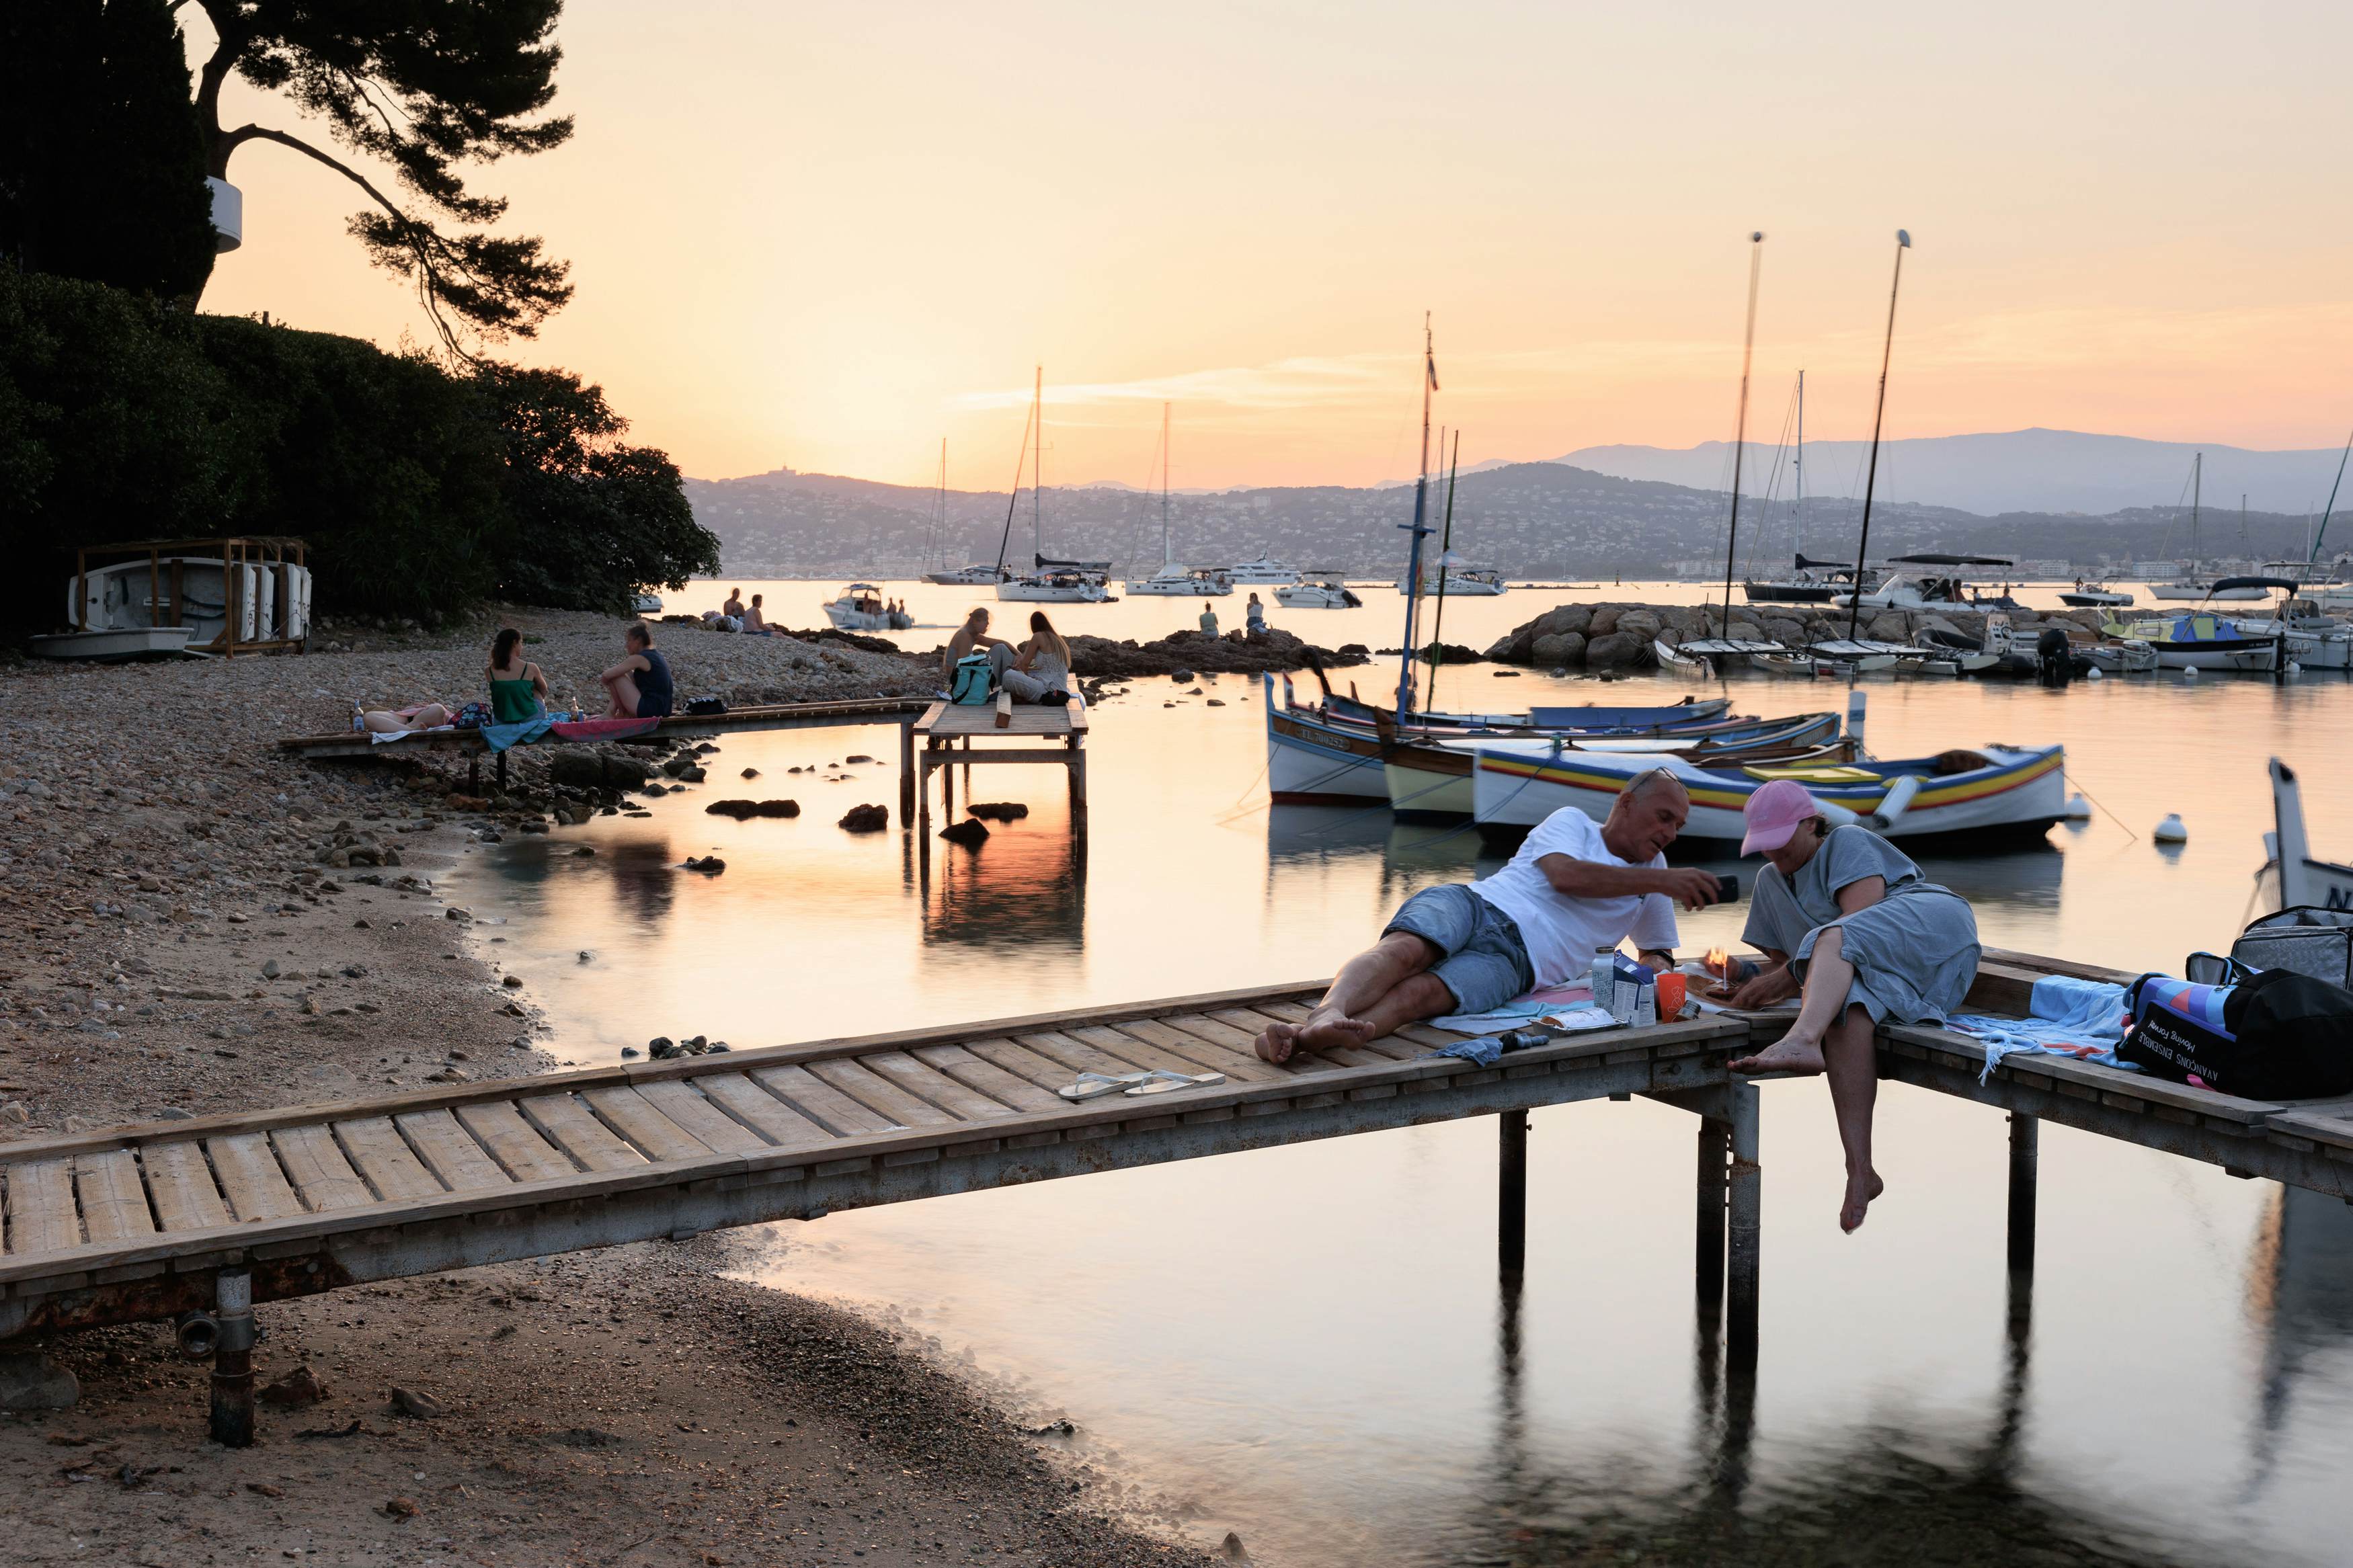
pixel 1308 1345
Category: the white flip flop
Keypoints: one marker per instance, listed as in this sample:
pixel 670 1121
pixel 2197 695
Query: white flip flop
pixel 1168 1082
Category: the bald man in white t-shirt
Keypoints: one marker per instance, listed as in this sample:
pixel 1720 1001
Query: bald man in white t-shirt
pixel 1575 889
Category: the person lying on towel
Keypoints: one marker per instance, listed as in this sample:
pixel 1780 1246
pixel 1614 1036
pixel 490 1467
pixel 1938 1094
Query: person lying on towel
pixel 1846 922
pixel 1574 890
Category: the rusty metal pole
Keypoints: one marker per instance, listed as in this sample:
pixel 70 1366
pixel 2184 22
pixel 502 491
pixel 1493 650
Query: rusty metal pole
pixel 1743 1231
pixel 1511 1195
pixel 232 1409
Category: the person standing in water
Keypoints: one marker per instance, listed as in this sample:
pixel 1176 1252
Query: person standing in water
pixel 1846 922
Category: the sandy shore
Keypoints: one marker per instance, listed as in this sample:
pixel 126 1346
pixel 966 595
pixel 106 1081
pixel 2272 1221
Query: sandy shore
pixel 182 948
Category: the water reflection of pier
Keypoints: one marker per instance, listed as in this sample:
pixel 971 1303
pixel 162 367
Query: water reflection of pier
pixel 1028 880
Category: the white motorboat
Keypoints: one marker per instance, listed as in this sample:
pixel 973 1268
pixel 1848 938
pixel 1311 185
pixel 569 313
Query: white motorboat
pixel 2291 877
pixel 121 645
pixel 2197 590
pixel 1461 582
pixel 2200 642
pixel 973 576
pixel 1317 591
pixel 2094 596
pixel 860 607
pixel 1706 656
pixel 2122 656
pixel 1261 572
pixel 1183 583
pixel 645 605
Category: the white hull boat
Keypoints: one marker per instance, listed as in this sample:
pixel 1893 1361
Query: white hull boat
pixel 201 594
pixel 2197 592
pixel 1053 588
pixel 1260 573
pixel 964 577
pixel 860 607
pixel 2094 596
pixel 2291 877
pixel 1177 582
pixel 646 605
pixel 1463 583
pixel 1324 593
pixel 117 647
pixel 2011 794
pixel 2200 642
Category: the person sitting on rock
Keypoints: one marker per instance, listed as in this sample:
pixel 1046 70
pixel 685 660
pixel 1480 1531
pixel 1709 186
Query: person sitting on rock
pixel 1254 617
pixel 1208 620
pixel 734 604
pixel 755 624
pixel 972 635
pixel 639 685
pixel 1574 890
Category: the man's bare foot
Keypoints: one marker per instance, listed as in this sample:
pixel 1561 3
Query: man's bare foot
pixel 1277 1041
pixel 1789 1054
pixel 1861 1189
pixel 1280 1042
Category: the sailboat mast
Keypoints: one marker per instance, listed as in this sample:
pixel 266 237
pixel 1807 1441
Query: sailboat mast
pixel 1419 528
pixel 2197 472
pixel 1445 558
pixel 1740 424
pixel 1801 462
pixel 1013 497
pixel 1167 555
pixel 1879 415
pixel 2312 552
pixel 1038 477
pixel 944 504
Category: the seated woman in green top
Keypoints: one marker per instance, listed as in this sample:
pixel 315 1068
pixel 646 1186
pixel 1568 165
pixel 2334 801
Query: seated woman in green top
pixel 518 691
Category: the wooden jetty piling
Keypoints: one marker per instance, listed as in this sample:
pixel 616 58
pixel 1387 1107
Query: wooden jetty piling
pixel 1744 1230
pixel 2025 1138
pixel 1511 1195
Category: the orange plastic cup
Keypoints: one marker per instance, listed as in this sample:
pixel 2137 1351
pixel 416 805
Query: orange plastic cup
pixel 1671 996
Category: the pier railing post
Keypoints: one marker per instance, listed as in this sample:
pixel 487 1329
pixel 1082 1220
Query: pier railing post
pixel 906 773
pixel 2025 1139
pixel 1511 1195
pixel 232 1407
pixel 1743 1231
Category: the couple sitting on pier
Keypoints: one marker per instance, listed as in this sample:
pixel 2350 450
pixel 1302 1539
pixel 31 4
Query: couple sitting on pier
pixel 1037 671
pixel 1846 922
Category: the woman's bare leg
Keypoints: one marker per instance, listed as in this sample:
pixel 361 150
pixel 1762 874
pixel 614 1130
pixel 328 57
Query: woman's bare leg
pixel 1851 1057
pixel 1829 976
pixel 624 691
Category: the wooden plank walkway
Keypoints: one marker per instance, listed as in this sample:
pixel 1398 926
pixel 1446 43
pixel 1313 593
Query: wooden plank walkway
pixel 134 1223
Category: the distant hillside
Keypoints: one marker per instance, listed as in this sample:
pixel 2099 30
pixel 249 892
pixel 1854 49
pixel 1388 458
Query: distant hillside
pixel 1530 520
pixel 2016 471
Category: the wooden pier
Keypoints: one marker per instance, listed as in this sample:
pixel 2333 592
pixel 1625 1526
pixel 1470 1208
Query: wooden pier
pixel 204 1217
pixel 1052 735
pixel 904 711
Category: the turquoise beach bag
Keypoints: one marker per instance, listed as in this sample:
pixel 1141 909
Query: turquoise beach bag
pixel 971 685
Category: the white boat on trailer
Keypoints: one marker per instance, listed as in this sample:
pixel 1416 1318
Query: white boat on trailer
pixel 227 596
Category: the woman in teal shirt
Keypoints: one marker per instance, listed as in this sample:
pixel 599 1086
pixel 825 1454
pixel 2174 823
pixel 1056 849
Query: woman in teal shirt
pixel 518 691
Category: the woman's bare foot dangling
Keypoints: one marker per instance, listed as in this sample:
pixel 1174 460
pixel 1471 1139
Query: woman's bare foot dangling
pixel 1791 1053
pixel 1862 1187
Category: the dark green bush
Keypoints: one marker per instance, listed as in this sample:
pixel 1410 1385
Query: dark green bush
pixel 419 491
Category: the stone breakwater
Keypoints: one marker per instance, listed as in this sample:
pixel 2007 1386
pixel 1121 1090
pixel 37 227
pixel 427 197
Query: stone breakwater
pixel 1616 635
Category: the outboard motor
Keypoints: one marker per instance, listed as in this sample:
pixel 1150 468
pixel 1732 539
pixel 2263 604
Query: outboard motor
pixel 2054 657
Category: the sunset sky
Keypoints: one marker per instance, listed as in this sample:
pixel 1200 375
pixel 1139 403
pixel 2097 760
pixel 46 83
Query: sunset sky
pixel 827 237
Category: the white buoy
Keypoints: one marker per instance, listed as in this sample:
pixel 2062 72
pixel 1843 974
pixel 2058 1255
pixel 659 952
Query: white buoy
pixel 2094 674
pixel 2078 809
pixel 2170 830
pixel 2294 668
pixel 2190 672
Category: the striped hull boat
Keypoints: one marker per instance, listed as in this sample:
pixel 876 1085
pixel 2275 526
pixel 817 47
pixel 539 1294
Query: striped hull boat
pixel 2018 793
pixel 1429 781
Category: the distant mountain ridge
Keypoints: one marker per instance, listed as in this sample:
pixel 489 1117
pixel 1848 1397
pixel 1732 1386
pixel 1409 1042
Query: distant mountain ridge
pixel 2016 471
pixel 1530 520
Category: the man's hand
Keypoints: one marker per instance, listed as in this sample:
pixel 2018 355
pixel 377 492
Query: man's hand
pixel 1690 887
pixel 1766 990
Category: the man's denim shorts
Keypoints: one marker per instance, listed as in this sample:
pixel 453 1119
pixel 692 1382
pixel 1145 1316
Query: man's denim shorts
pixel 1486 962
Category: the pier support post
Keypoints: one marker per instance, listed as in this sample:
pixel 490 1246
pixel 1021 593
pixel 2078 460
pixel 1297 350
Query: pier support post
pixel 2025 1141
pixel 1511 1195
pixel 906 774
pixel 1707 1271
pixel 474 774
pixel 1743 1231
pixel 502 772
pixel 232 1407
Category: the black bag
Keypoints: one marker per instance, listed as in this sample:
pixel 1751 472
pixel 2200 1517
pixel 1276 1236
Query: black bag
pixel 704 707
pixel 2280 1036
pixel 2306 939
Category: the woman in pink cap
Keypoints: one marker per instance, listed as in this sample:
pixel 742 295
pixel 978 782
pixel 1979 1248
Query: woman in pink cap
pixel 1848 923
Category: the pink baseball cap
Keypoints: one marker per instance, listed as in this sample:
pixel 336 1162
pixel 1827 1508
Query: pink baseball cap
pixel 1773 813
